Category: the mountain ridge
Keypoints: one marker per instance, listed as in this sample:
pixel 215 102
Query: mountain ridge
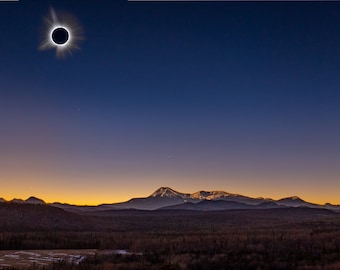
pixel 167 198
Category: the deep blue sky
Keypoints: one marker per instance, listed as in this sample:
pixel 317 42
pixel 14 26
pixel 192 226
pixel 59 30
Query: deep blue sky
pixel 225 95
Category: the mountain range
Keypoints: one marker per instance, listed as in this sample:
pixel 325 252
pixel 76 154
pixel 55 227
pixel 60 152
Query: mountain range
pixel 166 198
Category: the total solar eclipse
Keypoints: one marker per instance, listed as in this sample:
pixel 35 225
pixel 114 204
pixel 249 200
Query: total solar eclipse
pixel 62 33
pixel 60 36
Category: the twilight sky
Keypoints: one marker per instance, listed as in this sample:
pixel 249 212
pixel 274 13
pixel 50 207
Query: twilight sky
pixel 235 96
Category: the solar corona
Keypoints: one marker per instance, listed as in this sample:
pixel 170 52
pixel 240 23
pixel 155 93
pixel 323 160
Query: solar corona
pixel 62 32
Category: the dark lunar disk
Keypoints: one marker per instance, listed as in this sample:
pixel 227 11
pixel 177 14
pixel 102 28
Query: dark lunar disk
pixel 60 36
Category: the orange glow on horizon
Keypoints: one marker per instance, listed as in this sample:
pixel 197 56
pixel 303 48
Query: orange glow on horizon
pixel 95 202
pixel 88 198
pixel 67 185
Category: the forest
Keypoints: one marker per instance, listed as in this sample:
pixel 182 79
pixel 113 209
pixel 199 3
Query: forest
pixel 289 238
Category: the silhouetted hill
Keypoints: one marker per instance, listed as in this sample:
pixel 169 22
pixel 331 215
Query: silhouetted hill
pixel 149 203
pixel 31 217
pixel 17 201
pixel 34 200
pixel 44 218
pixel 266 205
pixel 208 205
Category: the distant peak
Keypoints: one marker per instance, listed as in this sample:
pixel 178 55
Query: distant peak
pixel 166 192
pixel 292 198
pixel 17 201
pixel 163 190
pixel 34 200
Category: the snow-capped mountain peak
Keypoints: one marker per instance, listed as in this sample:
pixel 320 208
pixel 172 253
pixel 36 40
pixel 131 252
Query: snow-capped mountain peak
pixel 168 192
pixel 201 195
pixel 209 195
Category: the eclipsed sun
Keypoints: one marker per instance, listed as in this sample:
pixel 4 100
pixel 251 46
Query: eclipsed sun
pixel 62 33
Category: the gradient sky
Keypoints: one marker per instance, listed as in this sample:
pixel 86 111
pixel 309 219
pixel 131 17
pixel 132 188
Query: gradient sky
pixel 235 96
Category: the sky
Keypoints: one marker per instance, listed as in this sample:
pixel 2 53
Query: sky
pixel 236 96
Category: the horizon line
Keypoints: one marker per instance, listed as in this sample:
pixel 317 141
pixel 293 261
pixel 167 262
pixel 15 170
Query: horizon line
pixel 135 197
